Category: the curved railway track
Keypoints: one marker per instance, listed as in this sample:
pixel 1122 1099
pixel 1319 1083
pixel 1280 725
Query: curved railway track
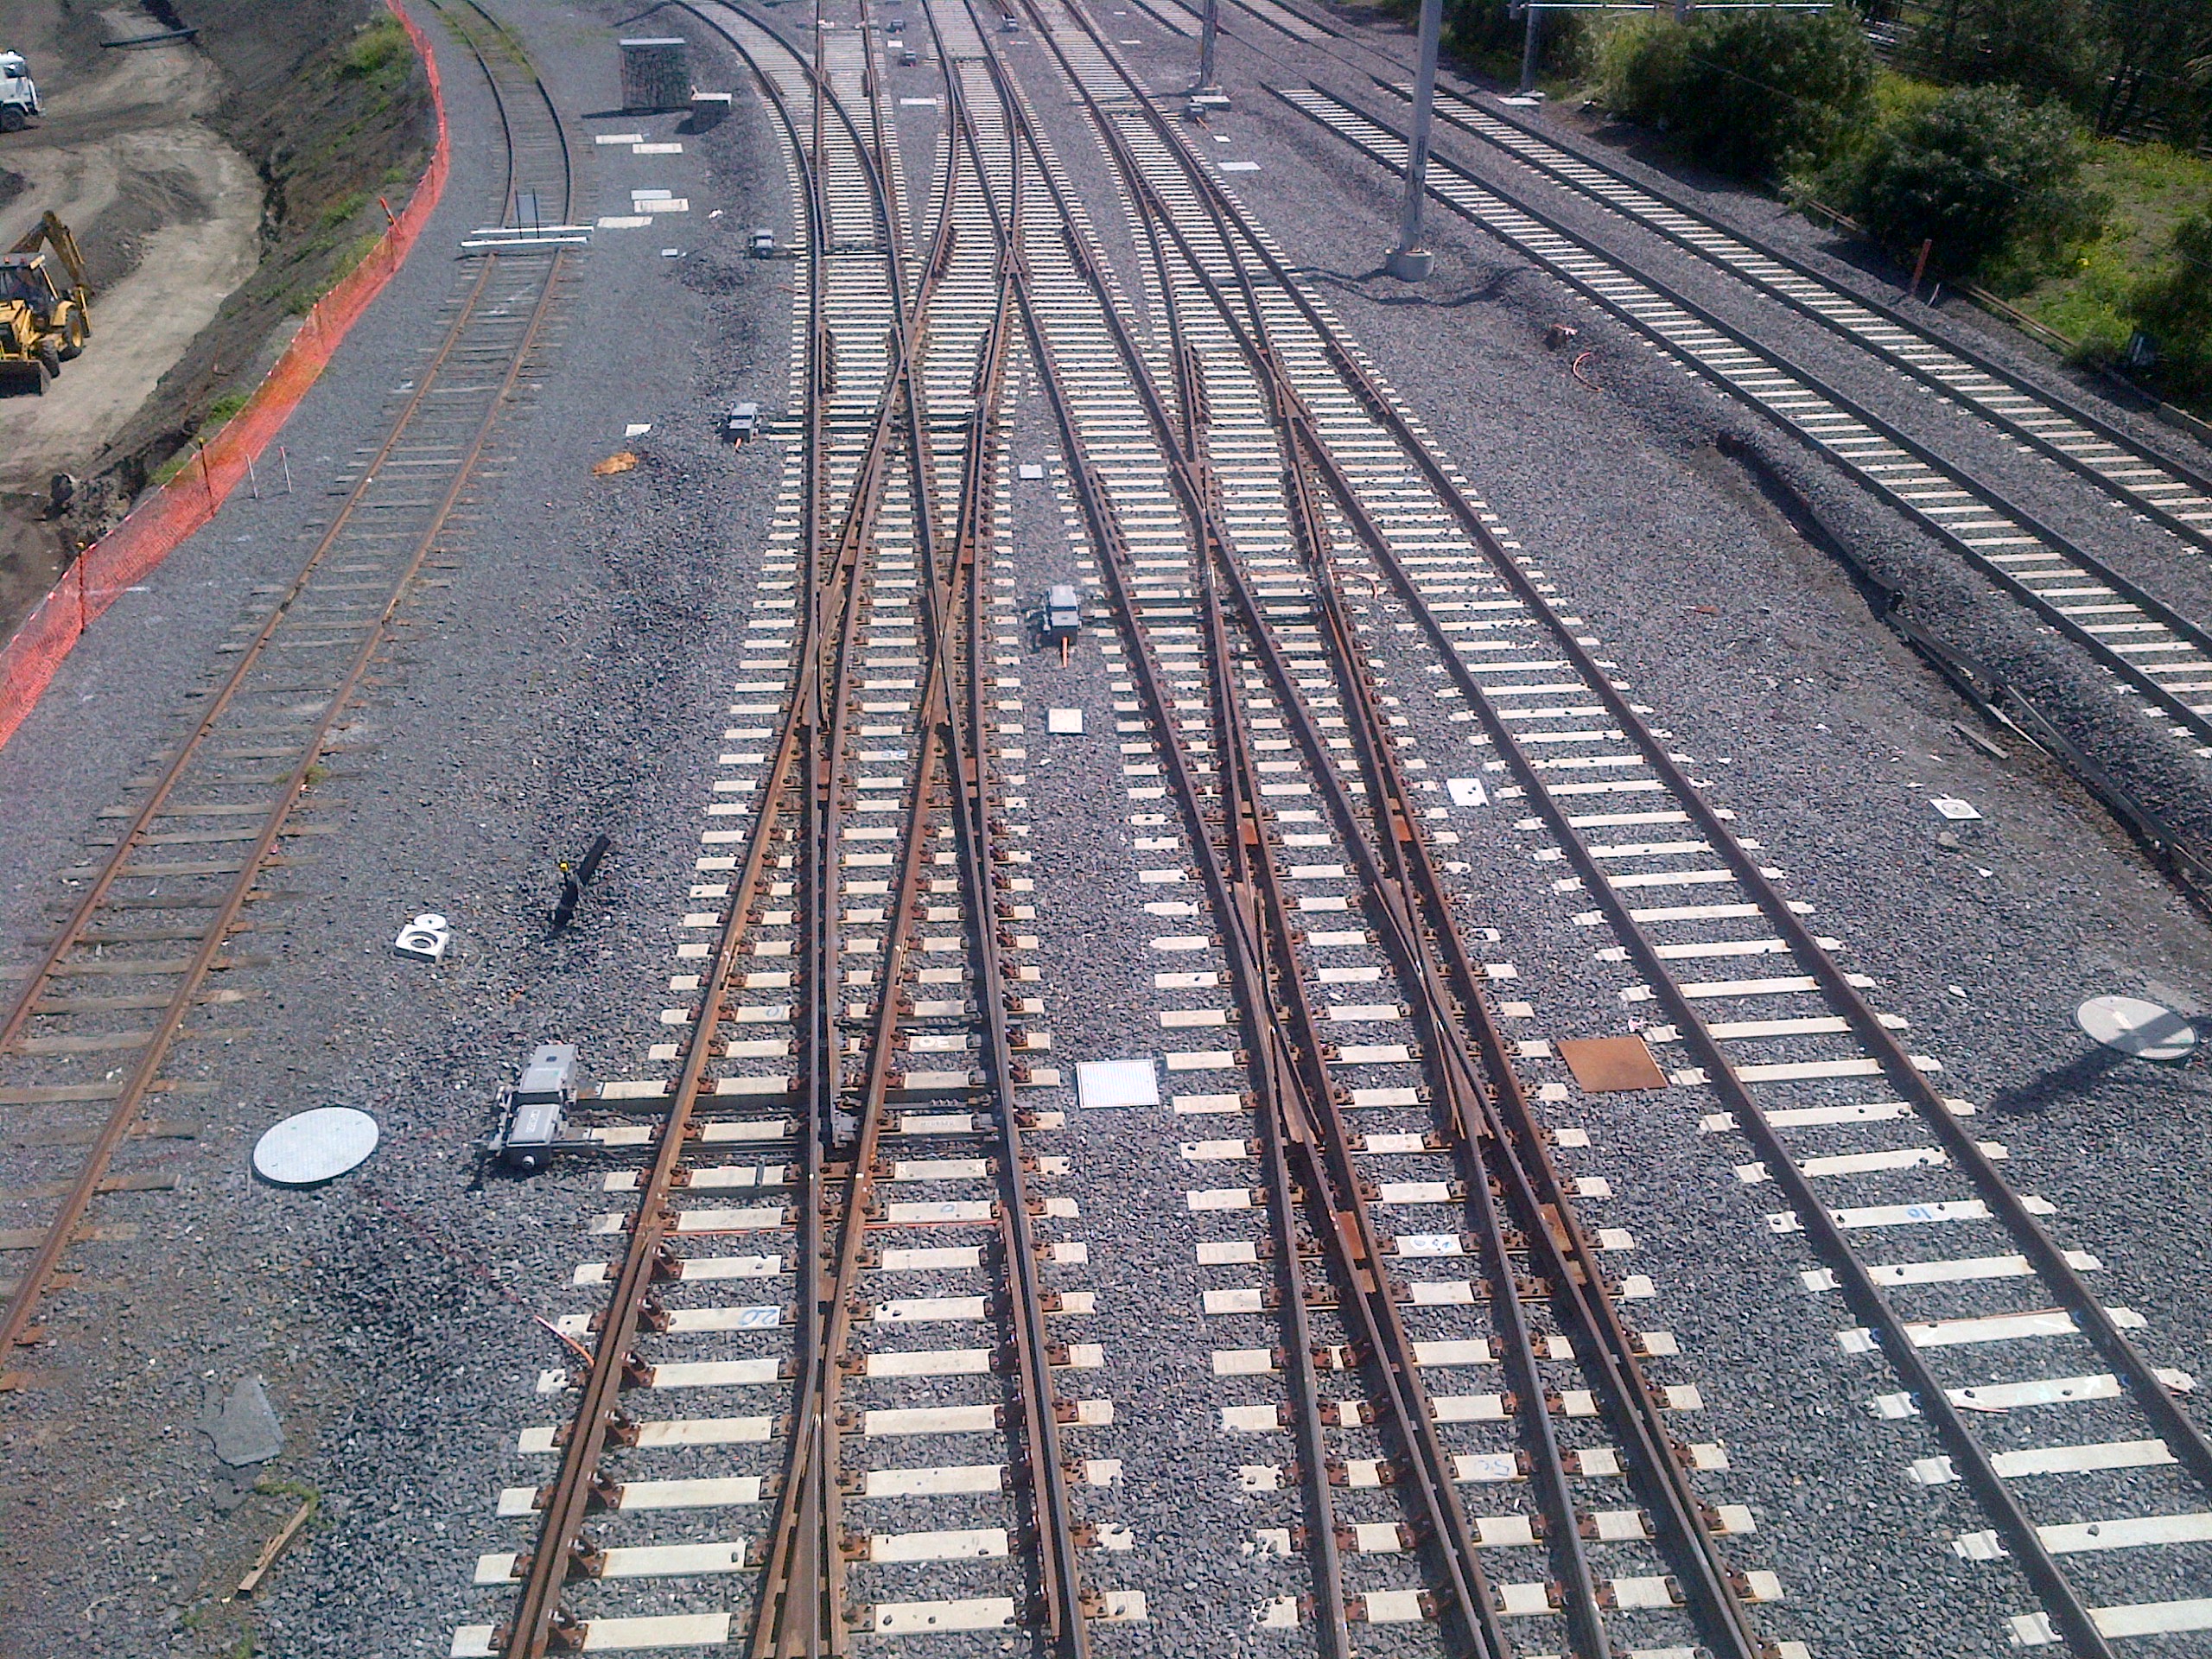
pixel 129 980
pixel 908 1164
pixel 1944 1263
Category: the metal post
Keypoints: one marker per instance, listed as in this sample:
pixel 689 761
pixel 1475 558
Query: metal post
pixel 1207 95
pixel 1531 48
pixel 1410 262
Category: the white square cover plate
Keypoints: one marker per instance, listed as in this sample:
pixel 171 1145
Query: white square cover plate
pixel 1067 722
pixel 1031 470
pixel 1466 792
pixel 1951 807
pixel 1118 1082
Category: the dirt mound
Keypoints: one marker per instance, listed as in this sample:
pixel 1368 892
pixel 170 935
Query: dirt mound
pixel 217 190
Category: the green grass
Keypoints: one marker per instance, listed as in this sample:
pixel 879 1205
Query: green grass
pixel 2150 186
pixel 380 53
pixel 344 208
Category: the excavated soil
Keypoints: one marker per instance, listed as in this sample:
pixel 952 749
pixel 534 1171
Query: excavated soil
pixel 216 188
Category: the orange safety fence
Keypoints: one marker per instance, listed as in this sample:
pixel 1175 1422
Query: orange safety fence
pixel 164 518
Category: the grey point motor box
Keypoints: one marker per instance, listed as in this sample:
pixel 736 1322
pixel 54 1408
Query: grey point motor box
pixel 534 1124
pixel 1060 619
pixel 655 74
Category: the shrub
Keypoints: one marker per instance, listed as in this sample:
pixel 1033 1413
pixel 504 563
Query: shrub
pixel 344 208
pixel 1746 93
pixel 376 50
pixel 2173 305
pixel 1990 180
pixel 1487 32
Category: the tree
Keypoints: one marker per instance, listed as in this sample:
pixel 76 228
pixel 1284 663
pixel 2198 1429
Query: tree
pixel 1746 92
pixel 2048 49
pixel 2155 59
pixel 1981 173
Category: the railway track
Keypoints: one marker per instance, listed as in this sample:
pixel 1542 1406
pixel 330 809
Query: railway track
pixel 2151 648
pixel 1265 512
pixel 2169 491
pixel 2037 1396
pixel 879 862
pixel 128 990
pixel 1576 1462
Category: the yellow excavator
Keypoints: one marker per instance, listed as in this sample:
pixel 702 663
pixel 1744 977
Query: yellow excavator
pixel 44 320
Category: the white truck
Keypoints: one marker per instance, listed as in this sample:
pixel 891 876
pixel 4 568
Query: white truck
pixel 18 93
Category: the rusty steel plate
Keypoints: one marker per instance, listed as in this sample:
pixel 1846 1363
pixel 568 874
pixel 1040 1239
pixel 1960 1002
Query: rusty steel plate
pixel 1606 1064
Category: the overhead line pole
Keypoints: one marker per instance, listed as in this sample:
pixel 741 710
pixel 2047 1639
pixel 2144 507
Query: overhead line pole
pixel 1410 262
pixel 1207 95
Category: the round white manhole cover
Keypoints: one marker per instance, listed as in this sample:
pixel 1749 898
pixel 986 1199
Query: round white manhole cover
pixel 2134 1026
pixel 312 1146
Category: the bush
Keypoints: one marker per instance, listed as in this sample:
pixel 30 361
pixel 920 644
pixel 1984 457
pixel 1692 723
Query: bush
pixel 2173 305
pixel 1487 32
pixel 1747 92
pixel 1991 180
pixel 377 50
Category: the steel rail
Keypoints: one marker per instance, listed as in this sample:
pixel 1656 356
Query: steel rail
pixel 807 1575
pixel 1549 1221
pixel 539 1620
pixel 1311 1130
pixel 32 1282
pixel 1353 1232
pixel 1068 1604
pixel 2151 1392
pixel 2077 1624
pixel 801 1609
pixel 1411 867
pixel 1406 850
pixel 805 1583
pixel 1277 1088
pixel 810 1498
pixel 1275 1073
pixel 553 113
pixel 2196 636
pixel 2056 403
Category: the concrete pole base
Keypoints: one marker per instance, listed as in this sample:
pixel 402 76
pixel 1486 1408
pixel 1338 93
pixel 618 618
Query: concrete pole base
pixel 1411 264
